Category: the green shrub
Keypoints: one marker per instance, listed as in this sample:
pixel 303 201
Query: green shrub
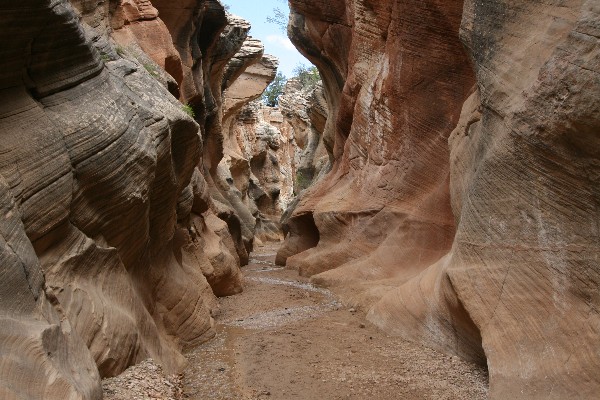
pixel 302 181
pixel 151 69
pixel 271 94
pixel 307 76
pixel 188 110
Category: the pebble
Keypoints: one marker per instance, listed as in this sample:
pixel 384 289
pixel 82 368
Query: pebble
pixel 143 381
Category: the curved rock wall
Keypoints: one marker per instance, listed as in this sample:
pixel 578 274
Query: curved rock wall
pixel 260 166
pixel 271 153
pixel 473 231
pixel 525 257
pixel 305 114
pixel 405 77
pixel 112 243
pixel 246 77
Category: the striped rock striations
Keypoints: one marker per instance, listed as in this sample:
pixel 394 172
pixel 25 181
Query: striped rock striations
pixel 271 153
pixel 305 113
pixel 112 246
pixel 524 261
pixel 462 209
pixel 246 76
pixel 395 79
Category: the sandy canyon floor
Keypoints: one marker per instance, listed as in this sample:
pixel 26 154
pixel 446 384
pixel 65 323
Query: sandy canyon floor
pixel 284 338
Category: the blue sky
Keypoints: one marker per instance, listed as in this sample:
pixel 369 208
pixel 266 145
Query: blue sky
pixel 276 42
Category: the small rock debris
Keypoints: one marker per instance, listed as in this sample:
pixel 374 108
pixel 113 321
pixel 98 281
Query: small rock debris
pixel 284 338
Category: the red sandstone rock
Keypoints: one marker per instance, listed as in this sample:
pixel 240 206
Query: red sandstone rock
pixel 305 114
pixel 486 248
pixel 251 164
pixel 119 229
pixel 389 182
pixel 259 163
pixel 195 26
pixel 111 248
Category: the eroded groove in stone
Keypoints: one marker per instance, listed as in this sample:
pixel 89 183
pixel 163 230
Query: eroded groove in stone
pixel 105 190
pixel 485 245
pixel 443 176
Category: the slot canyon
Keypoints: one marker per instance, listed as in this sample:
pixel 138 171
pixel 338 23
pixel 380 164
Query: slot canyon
pixel 421 223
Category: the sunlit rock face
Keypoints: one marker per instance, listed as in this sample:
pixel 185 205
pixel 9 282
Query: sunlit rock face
pixel 138 21
pixel 271 153
pixel 260 166
pixel 246 76
pixel 473 231
pixel 113 248
pixel 525 170
pixel 395 78
pixel 305 111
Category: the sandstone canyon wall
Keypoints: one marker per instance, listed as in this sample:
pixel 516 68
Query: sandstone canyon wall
pixel 305 111
pixel 115 236
pixel 259 164
pixel 387 186
pixel 462 208
pixel 270 153
pixel 250 167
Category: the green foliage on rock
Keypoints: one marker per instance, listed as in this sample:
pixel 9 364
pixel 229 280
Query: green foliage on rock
pixel 271 94
pixel 188 110
pixel 302 181
pixel 307 76
pixel 151 69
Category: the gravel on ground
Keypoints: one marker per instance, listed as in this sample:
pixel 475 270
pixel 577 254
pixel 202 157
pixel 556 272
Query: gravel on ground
pixel 283 338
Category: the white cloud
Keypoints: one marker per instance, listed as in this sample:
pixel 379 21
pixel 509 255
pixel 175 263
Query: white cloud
pixel 281 41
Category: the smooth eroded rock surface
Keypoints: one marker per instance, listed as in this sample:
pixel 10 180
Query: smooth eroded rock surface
pixel 111 245
pixel 473 231
pixel 395 77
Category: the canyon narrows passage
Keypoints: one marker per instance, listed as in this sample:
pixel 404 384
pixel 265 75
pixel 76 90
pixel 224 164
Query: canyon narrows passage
pixel 284 338
pixel 442 181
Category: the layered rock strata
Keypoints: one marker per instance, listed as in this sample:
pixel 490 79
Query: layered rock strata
pixel 246 76
pixel 258 158
pixel 305 113
pixel 271 153
pixel 113 245
pixel 386 136
pixel 473 231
